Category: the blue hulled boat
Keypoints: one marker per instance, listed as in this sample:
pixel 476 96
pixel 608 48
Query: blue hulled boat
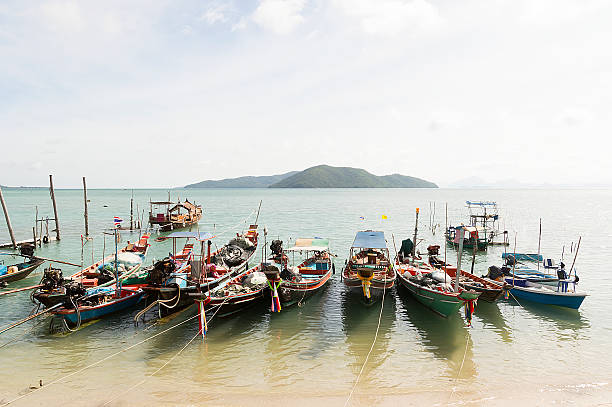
pixel 562 295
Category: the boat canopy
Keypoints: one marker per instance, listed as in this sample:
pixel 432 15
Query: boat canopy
pixel 523 256
pixel 201 236
pixel 186 205
pixel 370 240
pixel 317 244
pixel 481 203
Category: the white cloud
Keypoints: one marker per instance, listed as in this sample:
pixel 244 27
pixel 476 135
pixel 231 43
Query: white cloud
pixel 215 14
pixel 62 16
pixel 279 16
pixel 576 116
pixel 392 17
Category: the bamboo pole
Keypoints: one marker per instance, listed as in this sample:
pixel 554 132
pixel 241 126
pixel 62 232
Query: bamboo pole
pixel 459 253
pixel 8 220
pixel 576 255
pixel 539 243
pixel 86 213
pixel 132 211
pixel 52 192
pixel 416 226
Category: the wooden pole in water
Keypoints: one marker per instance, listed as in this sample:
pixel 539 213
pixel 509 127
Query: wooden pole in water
pixel 8 220
pixel 52 192
pixel 459 253
pixel 475 248
pixel 34 228
pixel 132 211
pixel 416 226
pixel 576 255
pixel 86 213
pixel 539 243
pixel 258 209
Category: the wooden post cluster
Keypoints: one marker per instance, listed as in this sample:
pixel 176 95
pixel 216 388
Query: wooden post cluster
pixel 8 220
pixel 86 213
pixel 52 192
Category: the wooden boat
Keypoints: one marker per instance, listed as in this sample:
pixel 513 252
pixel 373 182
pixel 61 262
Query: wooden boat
pixel 293 285
pixel 18 271
pixel 172 216
pixel 368 270
pixel 565 295
pixel 98 303
pixel 242 291
pixel 471 237
pixel 439 297
pixel 57 289
pixel 490 291
pixel 194 274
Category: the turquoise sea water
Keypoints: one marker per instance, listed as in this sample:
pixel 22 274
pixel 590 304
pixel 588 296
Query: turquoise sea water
pixel 512 353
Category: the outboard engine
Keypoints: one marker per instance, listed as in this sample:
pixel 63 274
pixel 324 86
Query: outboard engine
pixel 495 273
pixel 276 247
pixel 160 272
pixel 52 278
pixel 510 260
pixel 26 250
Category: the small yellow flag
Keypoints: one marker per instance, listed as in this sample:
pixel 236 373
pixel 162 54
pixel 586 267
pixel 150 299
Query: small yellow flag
pixel 384 216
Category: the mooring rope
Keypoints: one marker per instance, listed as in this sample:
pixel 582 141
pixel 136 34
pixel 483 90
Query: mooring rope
pixel 98 362
pixel 467 341
pixel 167 362
pixel 382 305
pixel 154 373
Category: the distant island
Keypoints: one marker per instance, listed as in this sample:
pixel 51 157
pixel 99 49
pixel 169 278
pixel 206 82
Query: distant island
pixel 320 176
pixel 243 182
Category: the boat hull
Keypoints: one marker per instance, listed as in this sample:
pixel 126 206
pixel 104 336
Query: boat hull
pixel 440 303
pixel 294 293
pixel 89 313
pixel 568 300
pixel 23 273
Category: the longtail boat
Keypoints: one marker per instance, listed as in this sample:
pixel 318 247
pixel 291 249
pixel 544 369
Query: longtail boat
pixel 99 302
pixel 57 289
pixel 19 271
pixel 368 270
pixel 291 285
pixel 438 296
pixel 176 215
pixel 490 291
pixel 174 287
pixel 242 291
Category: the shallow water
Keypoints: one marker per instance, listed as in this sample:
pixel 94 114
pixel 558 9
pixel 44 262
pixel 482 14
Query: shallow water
pixel 525 353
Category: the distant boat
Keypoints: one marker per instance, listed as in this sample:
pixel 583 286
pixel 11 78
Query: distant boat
pixel 297 283
pixel 171 217
pixel 483 227
pixel 369 271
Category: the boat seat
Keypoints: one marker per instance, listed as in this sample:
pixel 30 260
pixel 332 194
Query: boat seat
pixel 90 282
pixel 91 274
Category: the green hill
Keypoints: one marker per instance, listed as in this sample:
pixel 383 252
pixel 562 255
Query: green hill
pixel 325 176
pixel 242 182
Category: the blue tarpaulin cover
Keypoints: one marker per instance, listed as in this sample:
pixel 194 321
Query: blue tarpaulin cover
pixel 192 235
pixel 370 240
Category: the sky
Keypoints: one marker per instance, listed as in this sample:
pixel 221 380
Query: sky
pixel 165 93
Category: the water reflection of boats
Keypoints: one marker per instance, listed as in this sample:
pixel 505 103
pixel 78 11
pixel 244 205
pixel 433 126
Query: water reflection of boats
pixel 565 319
pixel 492 318
pixel 359 325
pixel 447 340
